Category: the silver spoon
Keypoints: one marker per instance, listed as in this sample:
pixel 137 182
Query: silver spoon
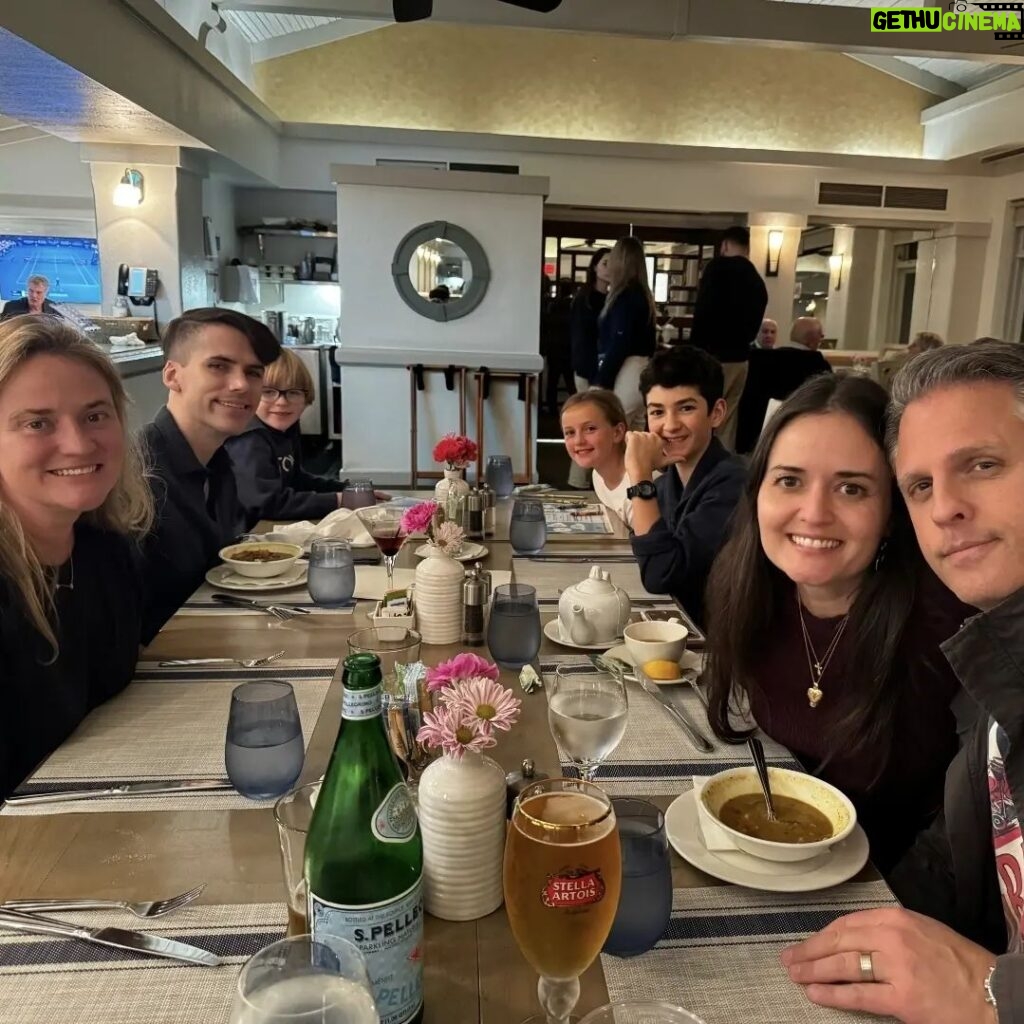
pixel 757 753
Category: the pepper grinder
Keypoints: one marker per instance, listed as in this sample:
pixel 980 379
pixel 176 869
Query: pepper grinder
pixel 475 514
pixel 490 508
pixel 474 604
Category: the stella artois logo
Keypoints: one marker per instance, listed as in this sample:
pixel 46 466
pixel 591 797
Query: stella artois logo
pixel 569 889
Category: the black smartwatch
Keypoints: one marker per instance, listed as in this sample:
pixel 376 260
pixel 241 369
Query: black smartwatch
pixel 645 489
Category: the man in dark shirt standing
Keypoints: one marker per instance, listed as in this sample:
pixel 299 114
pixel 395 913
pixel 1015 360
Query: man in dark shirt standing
pixel 731 300
pixel 215 360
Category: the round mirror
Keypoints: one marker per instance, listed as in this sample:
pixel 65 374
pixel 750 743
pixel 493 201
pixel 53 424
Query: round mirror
pixel 440 271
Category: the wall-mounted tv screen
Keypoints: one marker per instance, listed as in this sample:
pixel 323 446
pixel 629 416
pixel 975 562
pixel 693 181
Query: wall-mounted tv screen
pixel 72 266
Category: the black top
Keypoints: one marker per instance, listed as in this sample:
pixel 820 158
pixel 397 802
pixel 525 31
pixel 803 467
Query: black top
pixel 627 329
pixel 270 479
pixel 197 514
pixel 675 556
pixel 19 307
pixel 731 300
pixel 584 331
pixel 98 638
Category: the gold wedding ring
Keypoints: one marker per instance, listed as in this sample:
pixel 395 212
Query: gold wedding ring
pixel 867 967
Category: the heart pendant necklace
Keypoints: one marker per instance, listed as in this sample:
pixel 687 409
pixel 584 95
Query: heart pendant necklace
pixel 818 666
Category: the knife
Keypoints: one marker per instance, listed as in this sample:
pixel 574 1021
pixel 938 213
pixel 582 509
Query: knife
pixel 246 602
pixel 120 938
pixel 220 784
pixel 689 727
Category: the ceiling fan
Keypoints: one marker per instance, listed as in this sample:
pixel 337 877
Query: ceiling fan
pixel 417 10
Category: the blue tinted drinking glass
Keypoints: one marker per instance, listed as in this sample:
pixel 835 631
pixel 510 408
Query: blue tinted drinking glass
pixel 513 633
pixel 332 573
pixel 359 494
pixel 645 905
pixel 528 531
pixel 499 475
pixel 263 750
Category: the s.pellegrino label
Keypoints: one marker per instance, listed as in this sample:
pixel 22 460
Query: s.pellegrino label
pixel 359 704
pixel 390 936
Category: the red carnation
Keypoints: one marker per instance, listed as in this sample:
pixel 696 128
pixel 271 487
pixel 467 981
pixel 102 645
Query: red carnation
pixel 455 451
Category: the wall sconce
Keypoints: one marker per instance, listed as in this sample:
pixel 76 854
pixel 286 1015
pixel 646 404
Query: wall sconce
pixel 835 266
pixel 130 191
pixel 771 266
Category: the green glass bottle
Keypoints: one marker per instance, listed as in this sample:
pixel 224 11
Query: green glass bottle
pixel 364 855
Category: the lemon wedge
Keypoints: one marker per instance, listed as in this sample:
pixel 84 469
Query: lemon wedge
pixel 662 670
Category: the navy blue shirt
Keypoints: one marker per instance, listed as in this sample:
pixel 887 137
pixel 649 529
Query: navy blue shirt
pixel 197 514
pixel 626 329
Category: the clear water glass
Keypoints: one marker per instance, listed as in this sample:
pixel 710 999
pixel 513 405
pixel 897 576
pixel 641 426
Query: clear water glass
pixel 587 714
pixel 528 530
pixel 640 1013
pixel 499 475
pixel 513 633
pixel 293 813
pixel 332 573
pixel 359 494
pixel 645 906
pixel 263 749
pixel 299 981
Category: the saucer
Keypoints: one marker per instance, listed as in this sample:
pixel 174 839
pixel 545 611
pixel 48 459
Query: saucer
pixel 837 865
pixel 471 551
pixel 225 578
pixel 552 632
pixel 691 661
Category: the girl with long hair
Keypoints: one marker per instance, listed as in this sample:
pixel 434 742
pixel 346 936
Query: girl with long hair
pixel 824 621
pixel 72 496
pixel 627 328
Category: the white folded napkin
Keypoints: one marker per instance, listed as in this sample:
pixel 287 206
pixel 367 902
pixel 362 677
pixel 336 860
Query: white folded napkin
pixel 715 837
pixel 341 524
pixel 127 341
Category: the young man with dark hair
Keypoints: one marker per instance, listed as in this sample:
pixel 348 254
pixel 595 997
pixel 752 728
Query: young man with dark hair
pixel 215 359
pixel 730 305
pixel 680 522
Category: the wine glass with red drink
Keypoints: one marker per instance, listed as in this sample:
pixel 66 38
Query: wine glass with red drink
pixel 384 524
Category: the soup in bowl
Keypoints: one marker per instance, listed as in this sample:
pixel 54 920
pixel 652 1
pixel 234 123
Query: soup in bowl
pixel 813 815
pixel 261 559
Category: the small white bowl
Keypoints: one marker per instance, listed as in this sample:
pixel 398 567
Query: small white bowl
pixel 261 570
pixel 655 641
pixel 836 806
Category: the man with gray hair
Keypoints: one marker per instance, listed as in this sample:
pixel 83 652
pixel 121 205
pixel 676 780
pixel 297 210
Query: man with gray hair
pixel 956 438
pixel 35 300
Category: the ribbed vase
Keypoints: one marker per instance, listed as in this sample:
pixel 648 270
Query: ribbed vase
pixel 438 594
pixel 462 822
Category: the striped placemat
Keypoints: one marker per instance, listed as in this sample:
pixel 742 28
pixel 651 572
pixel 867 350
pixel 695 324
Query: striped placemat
pixel 719 957
pixel 169 724
pixel 656 757
pixel 47 980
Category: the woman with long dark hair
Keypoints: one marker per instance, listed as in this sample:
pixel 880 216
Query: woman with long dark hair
pixel 824 621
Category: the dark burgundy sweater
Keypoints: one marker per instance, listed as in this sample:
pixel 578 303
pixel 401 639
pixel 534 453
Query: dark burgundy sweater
pixel 909 792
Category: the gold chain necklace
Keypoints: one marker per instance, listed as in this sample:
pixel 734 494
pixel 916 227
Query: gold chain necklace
pixel 818 666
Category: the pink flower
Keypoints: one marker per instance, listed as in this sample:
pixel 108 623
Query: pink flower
pixel 462 666
pixel 418 518
pixel 448 729
pixel 485 703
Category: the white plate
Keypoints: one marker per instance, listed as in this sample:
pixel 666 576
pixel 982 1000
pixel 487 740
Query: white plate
pixel 551 631
pixel 471 552
pixel 838 865
pixel 690 660
pixel 225 578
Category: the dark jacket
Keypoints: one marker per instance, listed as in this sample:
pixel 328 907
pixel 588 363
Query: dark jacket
pixel 19 307
pixel 675 557
pixel 627 329
pixel 950 873
pixel 584 332
pixel 270 479
pixel 731 300
pixel 197 514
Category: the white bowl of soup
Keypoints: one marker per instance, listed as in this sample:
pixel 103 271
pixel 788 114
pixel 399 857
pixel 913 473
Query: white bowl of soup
pixel 261 559
pixel 813 815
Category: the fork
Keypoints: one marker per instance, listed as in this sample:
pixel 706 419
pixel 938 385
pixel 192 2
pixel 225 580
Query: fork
pixel 244 662
pixel 152 908
pixel 278 611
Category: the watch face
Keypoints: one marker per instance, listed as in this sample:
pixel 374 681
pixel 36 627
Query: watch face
pixel 644 489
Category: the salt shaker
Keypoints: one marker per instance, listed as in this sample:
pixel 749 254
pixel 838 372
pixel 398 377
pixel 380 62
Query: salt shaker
pixel 516 782
pixel 490 508
pixel 475 519
pixel 474 604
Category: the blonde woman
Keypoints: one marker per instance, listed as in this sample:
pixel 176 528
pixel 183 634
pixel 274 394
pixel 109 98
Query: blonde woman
pixel 72 498
pixel 626 328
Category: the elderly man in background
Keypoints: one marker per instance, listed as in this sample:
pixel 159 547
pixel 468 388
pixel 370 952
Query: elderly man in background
pixel 768 335
pixel 806 333
pixel 35 300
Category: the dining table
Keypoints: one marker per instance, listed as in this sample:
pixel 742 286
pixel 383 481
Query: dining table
pixel 724 939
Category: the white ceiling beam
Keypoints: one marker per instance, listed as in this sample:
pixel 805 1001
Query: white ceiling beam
pixel 747 22
pixel 913 75
pixel 279 46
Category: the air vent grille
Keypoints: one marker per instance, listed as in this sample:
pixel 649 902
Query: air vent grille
pixel 900 197
pixel 838 193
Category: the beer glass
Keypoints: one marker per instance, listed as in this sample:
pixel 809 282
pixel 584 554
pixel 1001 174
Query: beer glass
pixel 293 812
pixel 562 874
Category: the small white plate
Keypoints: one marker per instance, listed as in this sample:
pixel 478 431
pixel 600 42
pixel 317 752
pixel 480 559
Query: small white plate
pixel 225 578
pixel 690 661
pixel 838 865
pixel 552 632
pixel 471 552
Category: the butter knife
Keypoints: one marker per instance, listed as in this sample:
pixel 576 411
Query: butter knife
pixel 247 602
pixel 120 938
pixel 689 727
pixel 220 784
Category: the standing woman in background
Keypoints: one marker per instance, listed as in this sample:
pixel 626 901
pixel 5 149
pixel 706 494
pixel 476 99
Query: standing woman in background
pixel 627 331
pixel 584 336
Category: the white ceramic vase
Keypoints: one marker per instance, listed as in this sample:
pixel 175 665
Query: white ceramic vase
pixel 462 821
pixel 453 485
pixel 439 579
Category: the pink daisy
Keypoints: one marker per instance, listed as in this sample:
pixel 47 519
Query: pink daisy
pixel 485 703
pixel 448 729
pixel 462 666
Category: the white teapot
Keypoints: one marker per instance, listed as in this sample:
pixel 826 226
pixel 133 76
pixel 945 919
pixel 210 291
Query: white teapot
pixel 593 611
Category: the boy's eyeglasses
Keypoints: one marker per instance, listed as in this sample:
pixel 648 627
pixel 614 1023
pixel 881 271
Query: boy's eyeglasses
pixel 289 394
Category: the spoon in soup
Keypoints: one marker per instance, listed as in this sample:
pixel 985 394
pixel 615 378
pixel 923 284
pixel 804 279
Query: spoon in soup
pixel 757 753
